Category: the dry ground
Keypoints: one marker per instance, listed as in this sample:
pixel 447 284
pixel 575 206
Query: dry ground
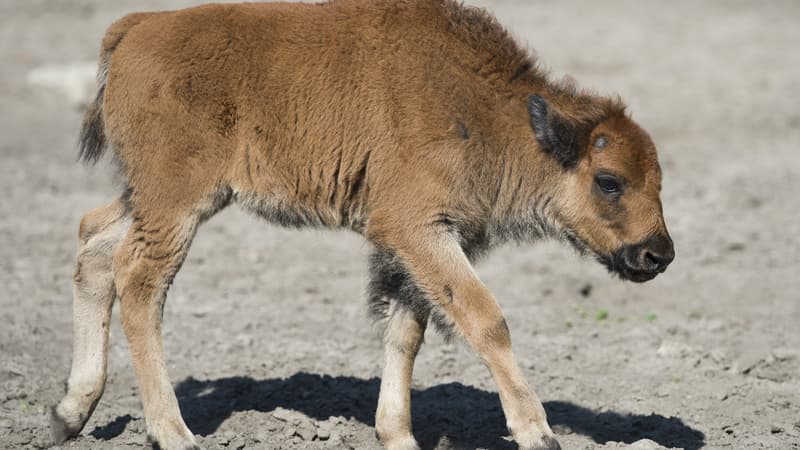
pixel 266 334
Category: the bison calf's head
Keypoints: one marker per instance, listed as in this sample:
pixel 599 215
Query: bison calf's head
pixel 609 188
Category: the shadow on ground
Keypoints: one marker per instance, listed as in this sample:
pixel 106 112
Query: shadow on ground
pixel 112 429
pixel 466 416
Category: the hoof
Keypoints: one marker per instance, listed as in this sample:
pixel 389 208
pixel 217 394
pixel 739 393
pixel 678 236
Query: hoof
pixel 155 446
pixel 406 442
pixel 545 443
pixel 173 443
pixel 60 429
pixel 550 443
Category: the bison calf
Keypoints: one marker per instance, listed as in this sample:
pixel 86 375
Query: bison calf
pixel 419 124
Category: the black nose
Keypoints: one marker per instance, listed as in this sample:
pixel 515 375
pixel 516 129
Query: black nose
pixel 656 253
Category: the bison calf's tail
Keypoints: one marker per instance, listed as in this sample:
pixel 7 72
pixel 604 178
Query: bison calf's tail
pixel 92 140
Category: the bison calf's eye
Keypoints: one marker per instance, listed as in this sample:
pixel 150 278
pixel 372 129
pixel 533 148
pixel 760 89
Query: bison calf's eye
pixel 608 185
pixel 601 142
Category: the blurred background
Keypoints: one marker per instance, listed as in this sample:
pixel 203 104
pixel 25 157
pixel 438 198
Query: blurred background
pixel 266 334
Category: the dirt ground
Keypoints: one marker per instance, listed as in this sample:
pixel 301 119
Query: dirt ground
pixel 266 332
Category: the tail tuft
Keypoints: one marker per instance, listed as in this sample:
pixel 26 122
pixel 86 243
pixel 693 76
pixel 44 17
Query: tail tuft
pixel 92 140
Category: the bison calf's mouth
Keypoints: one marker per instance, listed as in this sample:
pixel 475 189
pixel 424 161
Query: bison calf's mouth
pixel 642 261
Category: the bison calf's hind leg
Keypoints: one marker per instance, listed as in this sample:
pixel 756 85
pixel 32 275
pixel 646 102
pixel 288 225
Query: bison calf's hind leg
pixel 400 307
pixel 93 291
pixel 144 265
pixel 403 337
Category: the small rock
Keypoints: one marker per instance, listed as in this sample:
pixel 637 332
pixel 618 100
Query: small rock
pixel 226 437
pixel 19 395
pixel 42 442
pixel 776 429
pixel 662 392
pixel 307 431
pixel 561 430
pixel 323 433
pixel 272 425
pixel 6 423
pixel 735 247
pixel 646 444
pixel 288 432
pixel 718 356
pixel 335 441
pixel 262 435
pixel 136 427
pixel 286 416
pixel 784 354
pixel 23 439
pixel 237 443
pixel 670 349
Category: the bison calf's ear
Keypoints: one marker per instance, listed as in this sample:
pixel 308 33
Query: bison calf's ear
pixel 556 134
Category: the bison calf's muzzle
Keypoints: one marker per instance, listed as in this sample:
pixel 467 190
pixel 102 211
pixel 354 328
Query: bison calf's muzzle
pixel 642 261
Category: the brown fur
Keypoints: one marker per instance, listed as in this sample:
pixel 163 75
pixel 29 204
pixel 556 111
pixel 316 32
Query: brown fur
pixel 407 121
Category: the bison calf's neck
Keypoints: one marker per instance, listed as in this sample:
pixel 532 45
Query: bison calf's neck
pixel 421 125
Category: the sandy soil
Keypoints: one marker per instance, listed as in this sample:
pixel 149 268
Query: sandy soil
pixel 266 333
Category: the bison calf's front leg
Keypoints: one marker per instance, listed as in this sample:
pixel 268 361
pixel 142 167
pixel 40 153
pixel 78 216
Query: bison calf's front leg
pixel 442 271
pixel 477 316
